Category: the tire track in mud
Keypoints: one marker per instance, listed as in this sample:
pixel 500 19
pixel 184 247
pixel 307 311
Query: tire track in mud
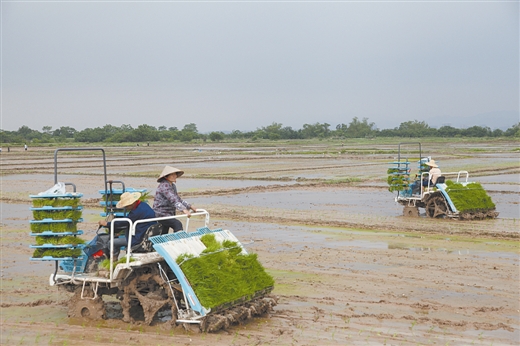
pixel 38 302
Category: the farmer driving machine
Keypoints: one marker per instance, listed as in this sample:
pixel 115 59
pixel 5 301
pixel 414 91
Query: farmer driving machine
pixel 450 195
pixel 202 279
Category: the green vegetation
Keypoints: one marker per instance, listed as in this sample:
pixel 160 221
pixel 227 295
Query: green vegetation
pixel 74 215
pixel 57 253
pixel 58 227
pixel 59 240
pixel 469 198
pixel 276 131
pixel 222 274
pixel 55 202
pixel 346 180
pixel 106 262
pixel 398 179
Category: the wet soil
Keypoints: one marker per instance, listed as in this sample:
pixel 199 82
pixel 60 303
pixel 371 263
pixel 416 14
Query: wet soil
pixel 349 269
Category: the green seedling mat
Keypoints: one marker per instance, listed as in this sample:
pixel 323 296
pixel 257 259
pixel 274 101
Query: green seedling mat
pixel 223 274
pixel 469 198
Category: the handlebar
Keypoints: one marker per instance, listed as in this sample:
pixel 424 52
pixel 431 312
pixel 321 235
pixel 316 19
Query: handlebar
pixel 132 226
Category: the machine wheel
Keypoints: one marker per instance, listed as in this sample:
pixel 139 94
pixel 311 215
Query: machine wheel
pixel 436 207
pixel 93 309
pixel 151 293
pixel 410 211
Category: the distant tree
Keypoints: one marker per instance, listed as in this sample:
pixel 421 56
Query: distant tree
pixel 10 137
pixel 26 132
pixel 191 127
pixel 477 131
pixel 236 134
pixel 47 129
pixel 448 131
pixel 64 132
pixel 388 133
pixel 126 127
pixel 288 133
pixel 187 136
pixel 360 129
pixel 90 135
pixel 414 129
pixel 276 131
pixel 316 130
pixel 145 133
pixel 188 133
pixel 216 136
pixel 513 131
pixel 497 133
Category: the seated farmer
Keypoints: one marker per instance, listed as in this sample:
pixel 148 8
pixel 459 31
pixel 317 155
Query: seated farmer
pixel 137 211
pixel 435 173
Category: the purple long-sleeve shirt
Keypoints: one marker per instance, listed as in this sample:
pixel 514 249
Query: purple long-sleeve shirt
pixel 167 200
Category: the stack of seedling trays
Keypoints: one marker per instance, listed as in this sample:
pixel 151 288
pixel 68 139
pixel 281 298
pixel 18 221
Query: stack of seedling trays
pixel 398 176
pixel 54 226
pixel 110 199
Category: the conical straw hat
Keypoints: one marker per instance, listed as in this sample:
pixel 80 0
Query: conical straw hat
pixel 169 170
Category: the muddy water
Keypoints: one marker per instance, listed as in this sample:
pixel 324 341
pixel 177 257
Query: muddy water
pixel 302 237
pixel 390 284
pixel 344 200
pixel 89 186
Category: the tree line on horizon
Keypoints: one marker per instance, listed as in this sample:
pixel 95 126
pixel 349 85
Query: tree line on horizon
pixel 146 133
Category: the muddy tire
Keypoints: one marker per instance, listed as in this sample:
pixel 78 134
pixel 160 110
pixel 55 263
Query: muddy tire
pixel 88 308
pixel 436 207
pixel 150 292
pixel 409 211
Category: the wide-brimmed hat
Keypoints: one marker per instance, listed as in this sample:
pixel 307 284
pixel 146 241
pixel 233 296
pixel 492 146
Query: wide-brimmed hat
pixel 128 198
pixel 431 163
pixel 169 170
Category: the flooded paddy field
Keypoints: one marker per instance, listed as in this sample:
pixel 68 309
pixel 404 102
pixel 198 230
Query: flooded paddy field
pixel 349 268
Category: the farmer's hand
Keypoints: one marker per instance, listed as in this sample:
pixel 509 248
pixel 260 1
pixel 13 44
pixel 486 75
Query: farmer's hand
pixel 187 212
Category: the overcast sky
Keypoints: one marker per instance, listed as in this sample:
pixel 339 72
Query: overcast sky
pixel 241 65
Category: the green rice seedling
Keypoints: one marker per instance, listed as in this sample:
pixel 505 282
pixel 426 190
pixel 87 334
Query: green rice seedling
pixel 469 198
pixel 106 262
pixel 57 227
pixel 398 179
pixel 211 243
pixel 55 202
pixel 55 240
pixel 57 253
pixel 38 227
pixel 43 202
pixel 222 274
pixel 60 227
pixel 66 202
pixel 40 215
pixel 73 214
pixel 144 196
pixel 57 214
